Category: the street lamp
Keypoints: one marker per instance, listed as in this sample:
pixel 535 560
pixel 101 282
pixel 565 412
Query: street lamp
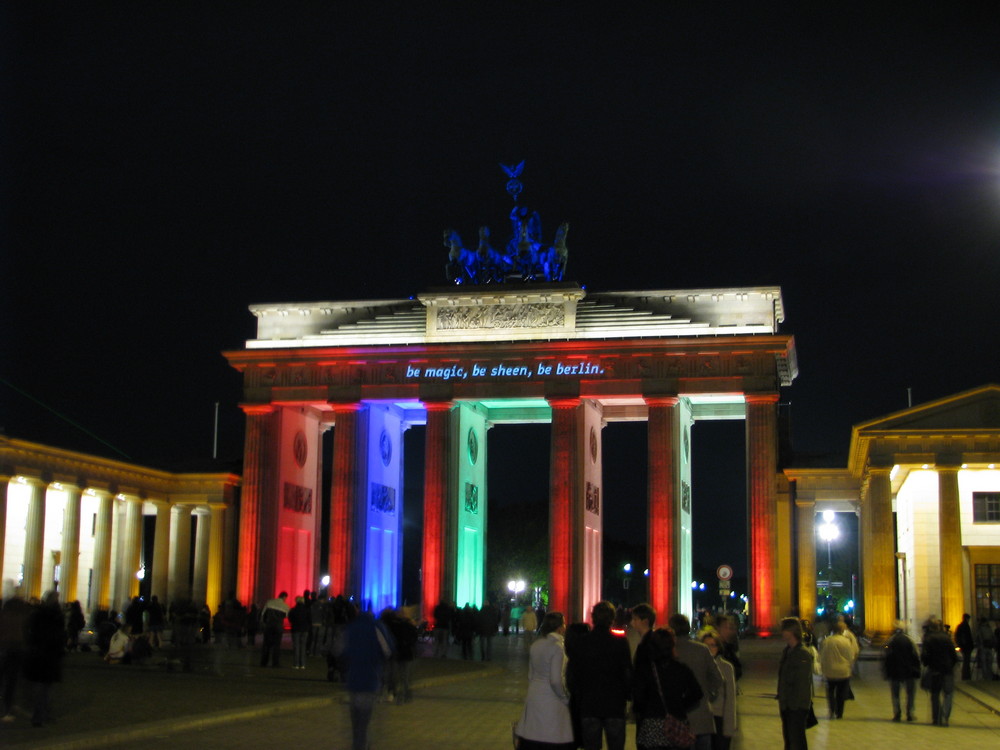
pixel 515 587
pixel 828 532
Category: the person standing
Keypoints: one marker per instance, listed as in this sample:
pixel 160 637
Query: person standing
pixel 642 621
pixel 724 705
pixel 938 655
pixel 794 686
pixel 301 622
pixel 545 721
pixel 272 619
pixel 45 643
pixel 662 685
pixel 443 615
pixel 489 619
pixel 729 645
pixel 700 661
pixel 965 643
pixel 599 676
pixel 529 623
pixel 367 646
pixel 985 646
pixel 836 661
pixel 901 667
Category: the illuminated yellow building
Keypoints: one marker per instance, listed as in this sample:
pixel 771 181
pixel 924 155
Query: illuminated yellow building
pixel 925 483
pixel 75 523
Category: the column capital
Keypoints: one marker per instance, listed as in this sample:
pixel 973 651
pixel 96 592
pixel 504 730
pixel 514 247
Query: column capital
pixel 345 407
pixel 661 400
pixel 257 409
pixel 760 398
pixel 805 503
pixel 438 406
pixel 561 402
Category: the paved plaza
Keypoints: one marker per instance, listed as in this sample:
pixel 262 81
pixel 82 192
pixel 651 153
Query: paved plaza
pixel 230 702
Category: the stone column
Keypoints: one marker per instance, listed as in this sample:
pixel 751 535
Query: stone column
pixel 565 511
pixel 879 554
pixel 805 529
pixel 662 548
pixel 131 551
pixel 258 455
pixel 4 484
pixel 34 540
pixel 213 577
pixel 101 588
pixel 161 552
pixel 344 499
pixel 69 555
pixel 436 585
pixel 179 586
pixel 199 584
pixel 950 546
pixel 762 465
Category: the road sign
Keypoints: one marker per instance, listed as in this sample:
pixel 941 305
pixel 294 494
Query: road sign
pixel 724 572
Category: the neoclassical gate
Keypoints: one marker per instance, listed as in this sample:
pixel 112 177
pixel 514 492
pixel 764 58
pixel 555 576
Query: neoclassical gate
pixel 462 359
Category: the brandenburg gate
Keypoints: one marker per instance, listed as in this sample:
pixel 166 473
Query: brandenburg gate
pixel 463 358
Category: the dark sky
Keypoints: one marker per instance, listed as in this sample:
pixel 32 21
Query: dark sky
pixel 163 168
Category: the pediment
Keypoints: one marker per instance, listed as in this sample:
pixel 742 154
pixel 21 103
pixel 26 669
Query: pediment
pixel 971 410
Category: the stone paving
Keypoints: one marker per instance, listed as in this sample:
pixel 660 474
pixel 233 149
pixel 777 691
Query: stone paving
pixel 230 702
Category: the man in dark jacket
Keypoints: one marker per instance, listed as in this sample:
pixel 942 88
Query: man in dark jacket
pixel 272 620
pixel 965 642
pixel 938 655
pixel 901 667
pixel 599 674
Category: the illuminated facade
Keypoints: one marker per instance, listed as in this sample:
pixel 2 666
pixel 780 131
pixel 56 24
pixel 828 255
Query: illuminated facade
pixel 925 483
pixel 75 523
pixel 462 359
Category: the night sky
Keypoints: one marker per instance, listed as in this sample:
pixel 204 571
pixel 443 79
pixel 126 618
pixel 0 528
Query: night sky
pixel 163 168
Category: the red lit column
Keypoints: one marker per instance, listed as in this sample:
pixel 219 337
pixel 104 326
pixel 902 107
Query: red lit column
pixel 661 427
pixel 258 453
pixel 343 498
pixel 565 514
pixel 435 583
pixel 762 464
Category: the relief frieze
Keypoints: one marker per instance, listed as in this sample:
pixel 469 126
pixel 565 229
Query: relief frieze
pixel 469 317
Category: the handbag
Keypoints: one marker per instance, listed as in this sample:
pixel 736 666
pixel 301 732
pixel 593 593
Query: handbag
pixel 668 731
pixel 925 679
pixel 811 719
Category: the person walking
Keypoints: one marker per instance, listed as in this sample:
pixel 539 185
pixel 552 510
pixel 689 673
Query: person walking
pixel 938 655
pixel 836 661
pixel 901 667
pixel 794 686
pixel 599 676
pixel 662 685
pixel 545 721
pixel 701 662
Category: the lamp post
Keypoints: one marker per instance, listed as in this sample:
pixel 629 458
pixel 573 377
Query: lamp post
pixel 828 532
pixel 515 587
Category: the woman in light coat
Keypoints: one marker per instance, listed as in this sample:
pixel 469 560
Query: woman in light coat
pixel 724 705
pixel 545 722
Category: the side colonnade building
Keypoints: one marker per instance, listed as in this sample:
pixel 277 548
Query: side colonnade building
pixel 925 485
pixel 462 359
pixel 76 523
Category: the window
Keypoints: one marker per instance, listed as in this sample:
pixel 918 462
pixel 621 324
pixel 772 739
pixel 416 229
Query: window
pixel 986 507
pixel 988 591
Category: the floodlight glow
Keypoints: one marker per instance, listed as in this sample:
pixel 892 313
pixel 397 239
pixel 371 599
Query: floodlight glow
pixel 324 581
pixel 828 516
pixel 140 573
pixel 829 532
pixel 628 567
pixel 646 572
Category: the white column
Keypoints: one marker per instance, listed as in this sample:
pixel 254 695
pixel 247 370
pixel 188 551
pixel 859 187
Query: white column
pixel 199 586
pixel 69 556
pixel 179 584
pixel 161 552
pixel 101 588
pixel 34 538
